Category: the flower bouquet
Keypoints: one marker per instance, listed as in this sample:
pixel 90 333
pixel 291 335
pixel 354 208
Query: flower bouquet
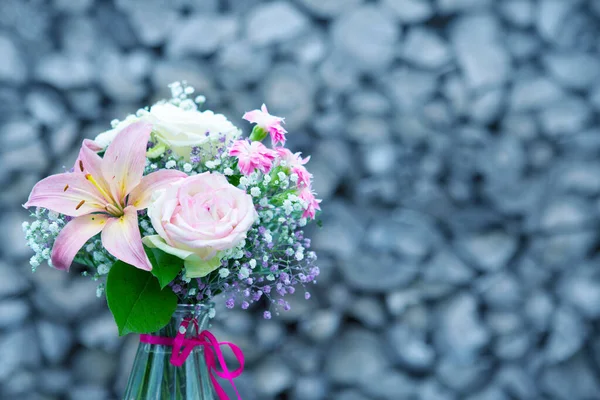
pixel 169 209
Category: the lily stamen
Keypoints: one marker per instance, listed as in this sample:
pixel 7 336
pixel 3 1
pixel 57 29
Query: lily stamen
pixel 80 204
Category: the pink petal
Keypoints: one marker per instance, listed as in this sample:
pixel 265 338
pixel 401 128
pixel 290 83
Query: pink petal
pixel 124 161
pixel 90 144
pixel 122 238
pixel 89 162
pixel 140 196
pixel 253 116
pixel 70 194
pixel 73 236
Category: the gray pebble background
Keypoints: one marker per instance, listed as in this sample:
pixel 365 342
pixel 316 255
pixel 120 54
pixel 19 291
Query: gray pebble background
pixel 455 144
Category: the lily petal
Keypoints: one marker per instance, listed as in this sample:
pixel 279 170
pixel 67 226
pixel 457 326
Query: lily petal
pixel 141 196
pixel 73 236
pixel 124 161
pixel 122 238
pixel 69 193
pixel 90 144
pixel 89 162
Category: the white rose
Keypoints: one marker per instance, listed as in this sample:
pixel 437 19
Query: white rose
pixel 181 130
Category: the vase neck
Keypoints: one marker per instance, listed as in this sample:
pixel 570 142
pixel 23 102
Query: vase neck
pixel 200 313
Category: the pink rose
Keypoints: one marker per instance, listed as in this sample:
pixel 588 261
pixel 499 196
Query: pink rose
pixel 199 216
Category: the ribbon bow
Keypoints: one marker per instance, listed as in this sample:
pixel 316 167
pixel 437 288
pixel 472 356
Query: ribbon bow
pixel 182 347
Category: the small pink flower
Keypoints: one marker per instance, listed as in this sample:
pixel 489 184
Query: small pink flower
pixel 312 204
pixel 252 156
pixel 296 163
pixel 268 122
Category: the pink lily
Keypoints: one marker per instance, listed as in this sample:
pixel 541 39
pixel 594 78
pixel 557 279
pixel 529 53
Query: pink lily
pixel 104 195
pixel 270 123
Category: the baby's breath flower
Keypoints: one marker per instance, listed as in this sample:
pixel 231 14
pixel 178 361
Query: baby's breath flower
pixel 255 192
pixel 228 171
pixel 170 164
pixel 187 167
pixel 223 272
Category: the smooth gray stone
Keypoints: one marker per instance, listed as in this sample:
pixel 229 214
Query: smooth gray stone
pixel 370 102
pixel 309 49
pixel 337 74
pixel 577 70
pixel 100 333
pixel 564 212
pixel 579 176
pixel 523 45
pixel 269 333
pixel 261 29
pixel 550 18
pixel 12 313
pixel 386 274
pixel 534 93
pixel 13 68
pixel 51 70
pixel 311 387
pixel 500 291
pixel 20 384
pixel 566 117
pixel 55 341
pixel 489 251
pixel 105 366
pixel 239 64
pixel 582 291
pixel 342 230
pixel 272 376
pixel 64 136
pixel 539 308
pixel 504 159
pixel 330 8
pixel 513 346
pixel 201 35
pixel 452 6
pixel 389 385
pixel 410 349
pixel 504 322
pixel 54 381
pixel 517 382
pixel 18 132
pixel 366 36
pixel 46 106
pixel 425 48
pixel 303 356
pixel 460 333
pixel 431 389
pixel 410 11
pixel 88 392
pixel 479 51
pixel 409 88
pixel 369 130
pixel 350 394
pixel 489 393
pixel 121 75
pixel 379 159
pixel 19 349
pixel 518 12
pixel 12 282
pixel 573 379
pixel 153 24
pixel 463 377
pixel 321 325
pixel 14 247
pixel 486 107
pixel 369 311
pixel 568 333
pixel 446 267
pixel 362 350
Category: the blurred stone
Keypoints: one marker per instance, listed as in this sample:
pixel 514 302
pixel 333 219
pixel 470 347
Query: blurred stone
pixel 288 90
pixel 338 74
pixel 517 382
pixel 202 35
pixel 302 356
pixel 366 35
pixel 121 75
pixel 566 117
pixel 21 383
pixel 341 232
pixel 410 11
pixel 489 393
pixel 410 349
pixel 13 313
pixel 52 71
pixel 240 64
pixel 329 8
pixel 64 137
pixel 369 102
pixel 12 68
pixel 489 251
pixel 104 367
pixel 261 29
pixel 153 24
pixel 463 377
pixel 523 45
pixel 550 18
pixel 307 49
pixel 539 308
pixel 500 291
pixel 379 159
pixel 479 50
pixel 451 6
pixel 46 106
pixel 88 392
pixel 562 212
pixel 12 282
pixel 576 70
pixel 567 334
pixel 487 106
pixel 310 388
pixel 579 176
pixel 272 377
pixel 14 247
pixel 425 49
pixel 55 341
pixel 385 272
pixel 369 311
pixel 54 381
pixel 390 384
pixel 18 348
pixel 100 333
pixel 446 267
pixel 409 88
pixel 432 390
pixel 513 346
pixel 461 334
pixel 573 379
pixel 369 130
pixel 321 325
pixel 582 291
pixel 350 395
pixel 360 349
pixel 269 333
pixel 519 12
pixel 532 94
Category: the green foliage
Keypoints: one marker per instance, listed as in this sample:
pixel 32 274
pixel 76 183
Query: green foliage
pixel 165 267
pixel 136 300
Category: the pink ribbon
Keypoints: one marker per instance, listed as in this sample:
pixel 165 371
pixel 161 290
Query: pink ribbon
pixel 182 347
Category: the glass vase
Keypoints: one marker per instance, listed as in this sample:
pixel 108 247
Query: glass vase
pixel 153 377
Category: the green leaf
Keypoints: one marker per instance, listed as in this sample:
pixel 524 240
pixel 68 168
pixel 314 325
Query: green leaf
pixel 165 267
pixel 234 179
pixel 136 300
